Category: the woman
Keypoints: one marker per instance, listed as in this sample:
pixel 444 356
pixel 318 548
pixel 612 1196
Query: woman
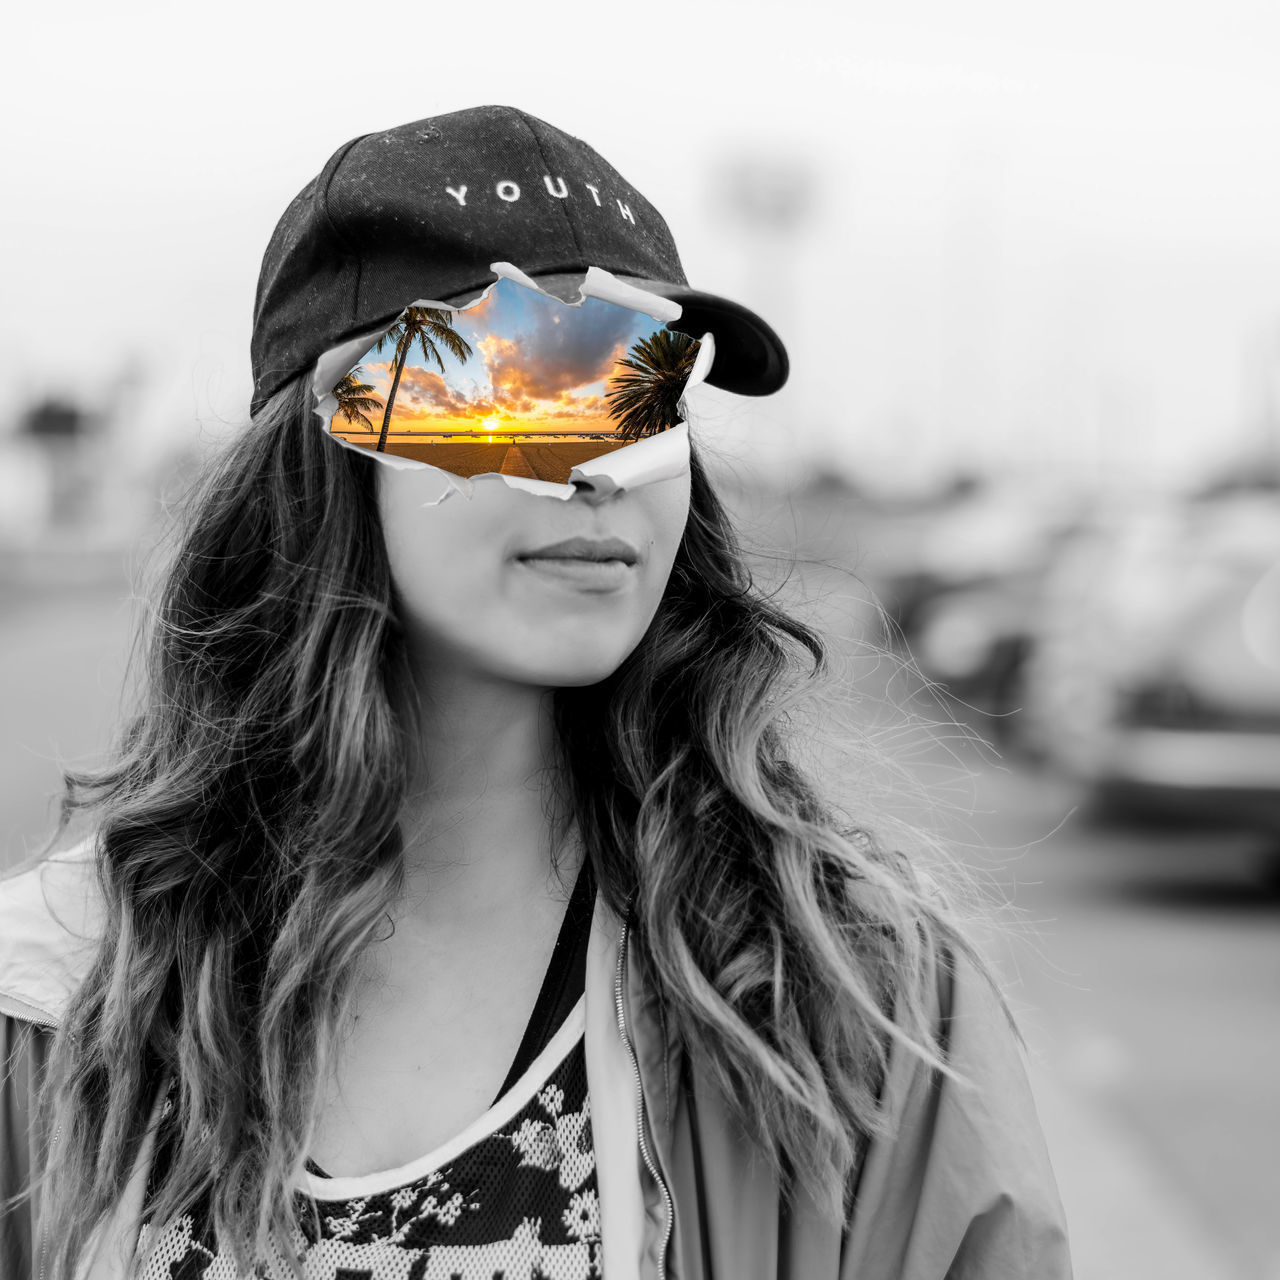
pixel 455 903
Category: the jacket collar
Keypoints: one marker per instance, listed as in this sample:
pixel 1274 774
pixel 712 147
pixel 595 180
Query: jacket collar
pixel 51 917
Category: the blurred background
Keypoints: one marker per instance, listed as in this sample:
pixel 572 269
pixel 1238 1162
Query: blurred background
pixel 1028 267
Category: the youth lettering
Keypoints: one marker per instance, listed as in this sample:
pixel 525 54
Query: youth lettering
pixel 555 187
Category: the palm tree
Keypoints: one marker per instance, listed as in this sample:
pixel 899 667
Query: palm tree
pixel 354 399
pixel 426 326
pixel 646 400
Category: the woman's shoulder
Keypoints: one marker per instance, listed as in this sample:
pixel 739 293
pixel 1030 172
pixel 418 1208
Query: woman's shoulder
pixel 970 1005
pixel 961 1001
pixel 51 916
pixel 968 1140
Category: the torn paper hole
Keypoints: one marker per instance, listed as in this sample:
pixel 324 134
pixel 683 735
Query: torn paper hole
pixel 530 453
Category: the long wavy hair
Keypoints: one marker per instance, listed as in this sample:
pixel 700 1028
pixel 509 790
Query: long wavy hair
pixel 248 853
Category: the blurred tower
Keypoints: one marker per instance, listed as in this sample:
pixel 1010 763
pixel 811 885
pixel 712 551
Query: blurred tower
pixel 62 432
pixel 1254 459
pixel 1268 409
pixel 765 199
pixel 976 430
pixel 768 198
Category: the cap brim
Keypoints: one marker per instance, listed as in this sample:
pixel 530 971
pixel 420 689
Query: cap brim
pixel 750 359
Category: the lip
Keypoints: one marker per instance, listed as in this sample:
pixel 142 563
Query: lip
pixel 596 577
pixel 588 550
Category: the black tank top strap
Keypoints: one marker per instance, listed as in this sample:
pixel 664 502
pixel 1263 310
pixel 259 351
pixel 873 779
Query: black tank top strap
pixel 565 979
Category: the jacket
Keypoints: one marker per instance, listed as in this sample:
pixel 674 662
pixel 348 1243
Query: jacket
pixel 963 1189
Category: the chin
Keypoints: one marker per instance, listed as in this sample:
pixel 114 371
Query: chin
pixel 579 680
pixel 571 676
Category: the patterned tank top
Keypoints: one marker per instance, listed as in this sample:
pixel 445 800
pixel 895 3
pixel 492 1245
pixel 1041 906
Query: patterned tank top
pixel 512 1195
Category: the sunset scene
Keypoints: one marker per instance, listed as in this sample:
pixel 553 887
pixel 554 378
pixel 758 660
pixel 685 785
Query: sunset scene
pixel 520 384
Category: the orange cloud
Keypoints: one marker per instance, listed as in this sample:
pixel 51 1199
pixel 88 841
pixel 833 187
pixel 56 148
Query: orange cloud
pixel 524 387
pixel 423 394
pixel 538 380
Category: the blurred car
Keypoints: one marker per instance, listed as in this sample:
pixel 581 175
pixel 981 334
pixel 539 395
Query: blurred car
pixel 979 582
pixel 1154 675
pixel 973 639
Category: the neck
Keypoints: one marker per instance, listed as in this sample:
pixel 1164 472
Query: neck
pixel 479 823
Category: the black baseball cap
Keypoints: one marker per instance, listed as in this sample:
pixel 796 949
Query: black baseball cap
pixel 422 210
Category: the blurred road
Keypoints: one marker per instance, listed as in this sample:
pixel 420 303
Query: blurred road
pixel 1146 968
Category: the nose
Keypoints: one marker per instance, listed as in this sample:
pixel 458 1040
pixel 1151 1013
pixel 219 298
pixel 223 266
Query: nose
pixel 594 490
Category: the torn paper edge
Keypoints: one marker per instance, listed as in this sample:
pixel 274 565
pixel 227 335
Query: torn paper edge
pixel 660 457
pixel 702 362
pixel 598 283
pixel 641 462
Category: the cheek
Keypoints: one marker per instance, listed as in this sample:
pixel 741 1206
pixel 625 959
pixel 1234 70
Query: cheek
pixel 450 587
pixel 445 561
pixel 666 512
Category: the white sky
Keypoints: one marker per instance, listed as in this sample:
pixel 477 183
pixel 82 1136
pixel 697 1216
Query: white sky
pixel 1038 235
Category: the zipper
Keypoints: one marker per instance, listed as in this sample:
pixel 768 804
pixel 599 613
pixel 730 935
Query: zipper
pixel 44 1216
pixel 25 1011
pixel 635 1066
